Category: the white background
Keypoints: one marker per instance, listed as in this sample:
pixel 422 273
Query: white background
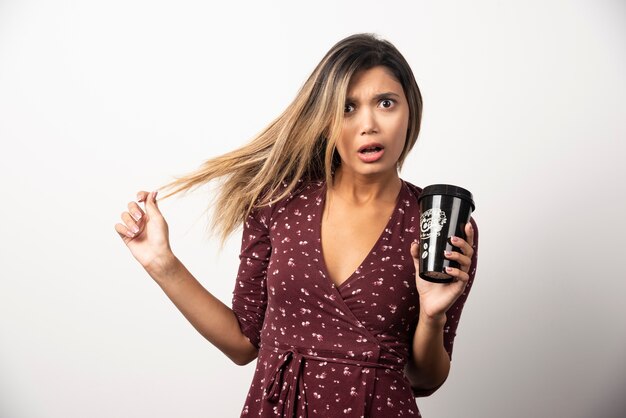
pixel 524 104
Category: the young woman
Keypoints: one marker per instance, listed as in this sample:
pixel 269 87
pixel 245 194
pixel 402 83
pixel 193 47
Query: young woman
pixel 326 298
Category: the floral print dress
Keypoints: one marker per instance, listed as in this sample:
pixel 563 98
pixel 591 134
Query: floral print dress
pixel 328 350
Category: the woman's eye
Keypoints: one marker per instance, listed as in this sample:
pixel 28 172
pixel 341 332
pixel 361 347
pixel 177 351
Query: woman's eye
pixel 386 103
pixel 348 108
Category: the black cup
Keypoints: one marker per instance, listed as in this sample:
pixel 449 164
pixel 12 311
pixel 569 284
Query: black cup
pixel 444 212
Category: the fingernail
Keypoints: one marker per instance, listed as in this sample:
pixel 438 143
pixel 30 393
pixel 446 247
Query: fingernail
pixel 447 253
pixel 448 269
pixel 156 192
pixel 135 229
pixel 130 234
pixel 454 239
pixel 137 215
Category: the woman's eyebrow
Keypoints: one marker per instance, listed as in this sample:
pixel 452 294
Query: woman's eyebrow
pixel 377 97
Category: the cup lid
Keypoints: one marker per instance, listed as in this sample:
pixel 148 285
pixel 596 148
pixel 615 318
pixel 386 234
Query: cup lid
pixel 448 190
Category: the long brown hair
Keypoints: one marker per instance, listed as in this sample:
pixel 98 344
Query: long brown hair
pixel 300 143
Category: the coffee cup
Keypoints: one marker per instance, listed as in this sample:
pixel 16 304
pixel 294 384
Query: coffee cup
pixel 444 211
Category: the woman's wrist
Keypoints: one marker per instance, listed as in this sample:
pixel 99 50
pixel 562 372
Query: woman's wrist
pixel 163 267
pixel 432 321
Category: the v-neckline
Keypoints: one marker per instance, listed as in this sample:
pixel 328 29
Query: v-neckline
pixel 356 272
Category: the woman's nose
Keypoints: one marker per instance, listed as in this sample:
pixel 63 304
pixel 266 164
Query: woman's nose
pixel 368 122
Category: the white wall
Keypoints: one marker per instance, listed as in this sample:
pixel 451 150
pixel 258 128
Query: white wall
pixel 524 105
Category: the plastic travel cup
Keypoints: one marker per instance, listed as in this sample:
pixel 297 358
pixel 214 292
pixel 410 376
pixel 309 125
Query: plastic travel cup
pixel 444 212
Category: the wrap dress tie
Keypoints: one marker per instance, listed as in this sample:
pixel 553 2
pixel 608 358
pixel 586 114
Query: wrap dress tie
pixel 286 385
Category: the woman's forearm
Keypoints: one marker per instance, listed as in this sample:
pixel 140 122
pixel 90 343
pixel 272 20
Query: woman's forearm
pixel 208 315
pixel 429 364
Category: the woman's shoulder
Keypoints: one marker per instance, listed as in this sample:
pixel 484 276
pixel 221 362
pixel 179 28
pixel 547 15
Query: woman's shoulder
pixel 303 190
pixel 306 193
pixel 303 194
pixel 413 189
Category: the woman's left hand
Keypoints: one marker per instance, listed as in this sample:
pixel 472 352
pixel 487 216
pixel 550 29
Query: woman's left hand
pixel 437 298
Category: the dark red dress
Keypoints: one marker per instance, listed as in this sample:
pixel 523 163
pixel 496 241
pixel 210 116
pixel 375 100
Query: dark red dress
pixel 327 350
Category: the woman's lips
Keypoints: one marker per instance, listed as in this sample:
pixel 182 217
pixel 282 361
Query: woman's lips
pixel 369 156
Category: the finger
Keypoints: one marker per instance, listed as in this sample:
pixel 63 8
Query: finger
pixel 152 208
pixel 458 274
pixel 131 225
pixel 414 249
pixel 463 246
pixel 135 211
pixel 469 233
pixel 462 259
pixel 141 196
pixel 124 232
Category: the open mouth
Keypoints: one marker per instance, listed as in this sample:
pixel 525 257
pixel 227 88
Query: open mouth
pixel 370 148
pixel 372 152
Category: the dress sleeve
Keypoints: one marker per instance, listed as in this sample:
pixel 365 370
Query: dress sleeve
pixel 453 315
pixel 250 294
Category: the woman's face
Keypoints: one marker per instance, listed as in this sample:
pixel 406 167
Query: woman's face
pixel 376 120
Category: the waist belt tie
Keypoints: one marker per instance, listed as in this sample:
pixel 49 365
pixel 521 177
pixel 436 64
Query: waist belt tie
pixel 286 385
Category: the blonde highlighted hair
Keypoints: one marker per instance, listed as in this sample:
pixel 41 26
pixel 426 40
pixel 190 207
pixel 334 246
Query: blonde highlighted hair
pixel 300 143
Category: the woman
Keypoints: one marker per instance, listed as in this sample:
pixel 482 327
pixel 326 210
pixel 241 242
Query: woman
pixel 326 296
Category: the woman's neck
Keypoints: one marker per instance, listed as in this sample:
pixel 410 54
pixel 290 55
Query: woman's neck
pixel 366 189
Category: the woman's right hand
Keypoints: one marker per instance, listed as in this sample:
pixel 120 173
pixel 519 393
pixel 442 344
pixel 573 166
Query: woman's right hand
pixel 145 233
